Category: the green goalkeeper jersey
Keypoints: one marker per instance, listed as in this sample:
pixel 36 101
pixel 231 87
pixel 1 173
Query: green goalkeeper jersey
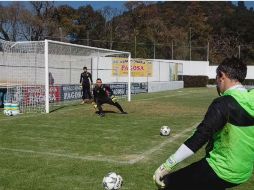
pixel 232 155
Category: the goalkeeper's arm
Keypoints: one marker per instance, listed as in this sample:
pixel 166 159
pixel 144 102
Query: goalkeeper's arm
pixel 182 153
pixel 214 121
pixel 94 95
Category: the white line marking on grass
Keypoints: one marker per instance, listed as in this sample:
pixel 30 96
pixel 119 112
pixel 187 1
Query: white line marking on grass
pixel 158 147
pixel 103 158
pixel 165 96
pixel 92 158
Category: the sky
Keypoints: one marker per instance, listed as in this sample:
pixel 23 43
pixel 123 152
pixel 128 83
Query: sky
pixel 118 4
pixel 95 4
pixel 248 4
pixel 113 4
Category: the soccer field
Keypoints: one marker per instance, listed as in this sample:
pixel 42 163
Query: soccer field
pixel 72 148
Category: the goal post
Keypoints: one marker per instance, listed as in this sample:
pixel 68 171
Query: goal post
pixel 44 74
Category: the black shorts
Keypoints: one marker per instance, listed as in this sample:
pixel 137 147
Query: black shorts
pixel 197 176
pixel 105 100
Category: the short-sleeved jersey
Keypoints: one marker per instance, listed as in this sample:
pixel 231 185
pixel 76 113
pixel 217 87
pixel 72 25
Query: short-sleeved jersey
pixel 84 78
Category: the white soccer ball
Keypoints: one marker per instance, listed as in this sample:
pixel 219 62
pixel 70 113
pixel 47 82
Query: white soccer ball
pixel 165 131
pixel 112 181
pixel 11 112
pixel 8 113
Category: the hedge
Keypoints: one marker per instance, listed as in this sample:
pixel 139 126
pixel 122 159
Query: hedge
pixel 194 81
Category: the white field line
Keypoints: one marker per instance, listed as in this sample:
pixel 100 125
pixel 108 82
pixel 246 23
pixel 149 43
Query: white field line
pixel 92 158
pixel 165 96
pixel 158 147
pixel 103 158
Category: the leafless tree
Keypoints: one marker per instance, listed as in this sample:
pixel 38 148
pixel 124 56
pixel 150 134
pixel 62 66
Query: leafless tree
pixel 10 21
pixel 109 13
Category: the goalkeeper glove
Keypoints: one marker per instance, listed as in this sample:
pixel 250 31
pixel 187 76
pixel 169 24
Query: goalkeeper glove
pixel 114 99
pixel 94 105
pixel 163 170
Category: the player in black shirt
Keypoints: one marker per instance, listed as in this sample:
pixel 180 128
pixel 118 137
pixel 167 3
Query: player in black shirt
pixel 84 81
pixel 103 94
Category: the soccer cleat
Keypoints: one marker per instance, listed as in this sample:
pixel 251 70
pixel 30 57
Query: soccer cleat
pixel 101 114
pixel 123 112
pixel 82 102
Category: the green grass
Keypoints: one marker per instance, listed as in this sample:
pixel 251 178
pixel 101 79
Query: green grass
pixel 72 148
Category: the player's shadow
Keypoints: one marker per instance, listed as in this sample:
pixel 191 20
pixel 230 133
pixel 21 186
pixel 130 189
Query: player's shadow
pixel 97 112
pixel 61 107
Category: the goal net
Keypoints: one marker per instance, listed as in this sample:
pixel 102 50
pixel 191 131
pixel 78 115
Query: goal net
pixel 40 75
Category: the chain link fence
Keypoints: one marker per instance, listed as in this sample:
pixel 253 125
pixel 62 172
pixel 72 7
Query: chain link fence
pixel 193 50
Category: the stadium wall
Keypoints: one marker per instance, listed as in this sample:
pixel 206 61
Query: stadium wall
pixel 212 72
pixel 203 68
pixel 161 71
pixel 162 86
pixel 163 77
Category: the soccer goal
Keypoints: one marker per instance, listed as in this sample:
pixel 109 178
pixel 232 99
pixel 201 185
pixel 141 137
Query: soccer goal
pixel 41 74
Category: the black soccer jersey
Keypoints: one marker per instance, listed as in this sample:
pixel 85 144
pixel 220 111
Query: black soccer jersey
pixel 102 92
pixel 84 78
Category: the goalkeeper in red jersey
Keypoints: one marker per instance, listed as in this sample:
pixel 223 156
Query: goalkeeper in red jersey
pixel 104 95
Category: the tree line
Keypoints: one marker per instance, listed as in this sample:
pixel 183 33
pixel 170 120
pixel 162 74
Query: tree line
pixel 197 30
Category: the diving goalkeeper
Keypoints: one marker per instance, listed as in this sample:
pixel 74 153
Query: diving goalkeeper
pixel 228 130
pixel 104 95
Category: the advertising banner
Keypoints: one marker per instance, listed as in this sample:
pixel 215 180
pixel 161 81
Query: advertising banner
pixel 119 89
pixel 141 87
pixel 139 67
pixel 71 92
pixel 32 95
pixel 54 94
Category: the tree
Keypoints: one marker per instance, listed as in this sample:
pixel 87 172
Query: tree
pixel 109 14
pixel 66 17
pixel 222 46
pixel 90 24
pixel 10 22
pixel 40 23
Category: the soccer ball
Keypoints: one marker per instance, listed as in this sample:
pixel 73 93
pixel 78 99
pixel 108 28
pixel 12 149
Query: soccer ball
pixel 112 181
pixel 11 112
pixel 8 113
pixel 165 131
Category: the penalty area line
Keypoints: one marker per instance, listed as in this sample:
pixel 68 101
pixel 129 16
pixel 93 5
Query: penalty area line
pixel 69 156
pixel 158 147
pixel 164 96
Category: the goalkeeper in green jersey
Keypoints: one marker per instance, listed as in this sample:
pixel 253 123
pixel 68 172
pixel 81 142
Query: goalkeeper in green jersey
pixel 228 131
pixel 104 95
